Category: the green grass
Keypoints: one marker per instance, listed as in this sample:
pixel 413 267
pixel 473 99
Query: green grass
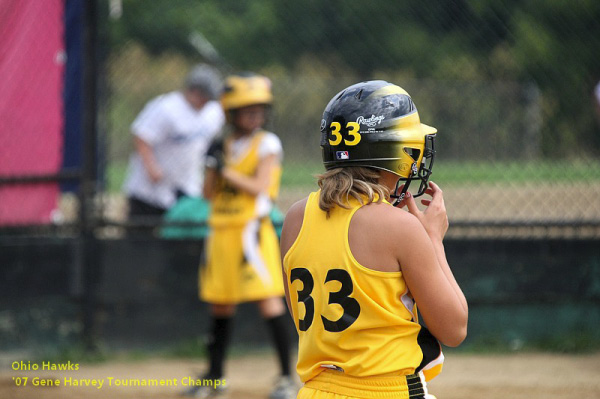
pixel 301 174
pixel 115 176
pixel 516 172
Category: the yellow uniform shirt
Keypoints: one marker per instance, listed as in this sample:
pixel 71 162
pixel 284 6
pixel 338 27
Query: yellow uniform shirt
pixel 243 262
pixel 231 206
pixel 348 317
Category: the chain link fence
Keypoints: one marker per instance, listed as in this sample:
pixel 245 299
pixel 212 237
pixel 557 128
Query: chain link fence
pixel 508 84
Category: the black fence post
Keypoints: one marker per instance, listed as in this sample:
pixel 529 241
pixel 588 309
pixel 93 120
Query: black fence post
pixel 88 180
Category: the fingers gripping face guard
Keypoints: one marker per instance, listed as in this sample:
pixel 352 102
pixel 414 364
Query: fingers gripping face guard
pixel 376 124
pixel 246 89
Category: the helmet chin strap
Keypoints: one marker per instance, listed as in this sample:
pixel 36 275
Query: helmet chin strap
pixel 400 197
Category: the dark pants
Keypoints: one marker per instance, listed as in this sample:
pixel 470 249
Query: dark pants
pixel 144 217
pixel 141 208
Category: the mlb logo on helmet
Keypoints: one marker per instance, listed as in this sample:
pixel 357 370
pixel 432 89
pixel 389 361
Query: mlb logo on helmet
pixel 342 155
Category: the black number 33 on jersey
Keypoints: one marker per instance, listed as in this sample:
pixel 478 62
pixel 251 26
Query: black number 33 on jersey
pixel 342 297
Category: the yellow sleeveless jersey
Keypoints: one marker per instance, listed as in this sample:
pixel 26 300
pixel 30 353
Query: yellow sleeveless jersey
pixel 348 317
pixel 231 206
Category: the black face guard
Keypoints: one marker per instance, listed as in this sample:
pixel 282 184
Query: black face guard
pixel 422 173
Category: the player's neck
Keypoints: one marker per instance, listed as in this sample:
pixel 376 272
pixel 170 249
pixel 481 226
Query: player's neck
pixel 240 133
pixel 195 100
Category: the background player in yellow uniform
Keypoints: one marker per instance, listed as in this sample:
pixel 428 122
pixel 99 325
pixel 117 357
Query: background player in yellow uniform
pixel 356 266
pixel 243 261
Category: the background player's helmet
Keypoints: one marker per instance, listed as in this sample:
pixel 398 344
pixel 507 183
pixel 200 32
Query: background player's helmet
pixel 376 124
pixel 246 89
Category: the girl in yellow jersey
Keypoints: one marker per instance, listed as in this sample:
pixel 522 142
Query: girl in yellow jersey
pixel 242 252
pixel 356 265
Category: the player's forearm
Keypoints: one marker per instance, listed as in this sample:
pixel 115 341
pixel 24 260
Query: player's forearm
pixel 250 184
pixel 441 257
pixel 148 158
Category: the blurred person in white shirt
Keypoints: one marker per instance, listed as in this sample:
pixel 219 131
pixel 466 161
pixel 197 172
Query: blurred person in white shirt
pixel 171 136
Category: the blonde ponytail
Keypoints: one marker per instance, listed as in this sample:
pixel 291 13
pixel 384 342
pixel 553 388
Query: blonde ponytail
pixel 338 185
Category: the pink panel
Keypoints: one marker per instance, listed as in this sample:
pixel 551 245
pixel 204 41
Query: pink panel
pixel 31 73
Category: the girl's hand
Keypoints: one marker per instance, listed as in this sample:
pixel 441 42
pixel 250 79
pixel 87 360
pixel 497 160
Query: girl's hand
pixel 434 218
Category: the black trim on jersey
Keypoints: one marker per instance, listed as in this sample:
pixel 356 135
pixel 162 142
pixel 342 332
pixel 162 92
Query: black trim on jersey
pixel 429 346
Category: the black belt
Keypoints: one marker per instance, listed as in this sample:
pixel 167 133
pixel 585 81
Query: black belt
pixel 415 387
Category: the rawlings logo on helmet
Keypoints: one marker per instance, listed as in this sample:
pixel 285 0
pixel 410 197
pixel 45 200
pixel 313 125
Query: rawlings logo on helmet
pixel 370 122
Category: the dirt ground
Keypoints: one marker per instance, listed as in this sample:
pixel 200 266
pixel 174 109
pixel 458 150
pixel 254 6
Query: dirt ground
pixel 514 376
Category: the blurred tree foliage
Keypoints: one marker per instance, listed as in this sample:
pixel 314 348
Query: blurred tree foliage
pixel 554 43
